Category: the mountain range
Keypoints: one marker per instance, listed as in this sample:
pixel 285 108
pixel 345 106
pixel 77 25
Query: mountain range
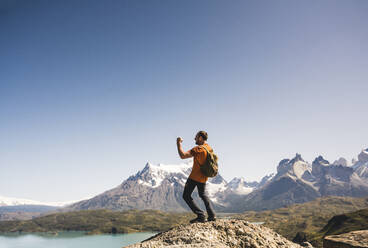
pixel 161 186
pixel 11 201
pixel 296 181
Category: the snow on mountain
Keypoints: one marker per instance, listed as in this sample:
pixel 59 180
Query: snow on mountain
pixel 161 187
pixel 362 171
pixel 363 156
pixel 9 201
pixel 341 161
pixel 216 190
pixel 362 159
pixel 153 175
pixel 295 168
pixel 361 166
pixel 318 166
pixel 266 179
pixel 241 187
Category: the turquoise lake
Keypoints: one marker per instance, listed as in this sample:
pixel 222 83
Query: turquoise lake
pixel 71 240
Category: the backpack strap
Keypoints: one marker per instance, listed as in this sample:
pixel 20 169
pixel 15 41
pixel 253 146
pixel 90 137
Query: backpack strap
pixel 205 149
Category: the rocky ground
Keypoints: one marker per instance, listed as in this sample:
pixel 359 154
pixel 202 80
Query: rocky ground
pixel 222 233
pixel 356 239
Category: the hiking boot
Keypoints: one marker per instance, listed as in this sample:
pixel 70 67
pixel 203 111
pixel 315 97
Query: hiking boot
pixel 211 218
pixel 199 219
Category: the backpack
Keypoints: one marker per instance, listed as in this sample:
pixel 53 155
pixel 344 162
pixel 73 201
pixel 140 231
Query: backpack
pixel 210 166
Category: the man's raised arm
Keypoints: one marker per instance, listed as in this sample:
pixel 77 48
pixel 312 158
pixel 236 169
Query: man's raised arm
pixel 182 154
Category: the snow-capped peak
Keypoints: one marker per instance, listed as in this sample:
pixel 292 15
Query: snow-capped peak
pixel 341 161
pixel 239 186
pixel 363 156
pixel 10 201
pixel 321 161
pixel 153 175
pixel 361 165
pixel 234 183
pixel 295 167
pixel 171 168
pixel 266 179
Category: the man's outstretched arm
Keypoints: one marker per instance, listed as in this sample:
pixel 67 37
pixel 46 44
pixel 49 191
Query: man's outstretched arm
pixel 182 154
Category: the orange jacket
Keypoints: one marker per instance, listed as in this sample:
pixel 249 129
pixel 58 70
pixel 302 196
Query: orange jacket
pixel 200 155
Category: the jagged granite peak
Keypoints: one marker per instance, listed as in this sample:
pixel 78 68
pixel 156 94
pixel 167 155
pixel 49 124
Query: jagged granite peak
pixel 153 175
pixel 339 180
pixel 297 181
pixel 318 164
pixel 361 165
pixel 240 186
pixel 252 184
pixel 217 180
pixel 321 161
pixel 222 233
pixel 329 174
pixel 363 156
pixel 298 157
pixel 266 179
pixel 296 167
pixel 293 183
pixel 362 171
pixel 341 161
pixel 236 181
pixel 285 162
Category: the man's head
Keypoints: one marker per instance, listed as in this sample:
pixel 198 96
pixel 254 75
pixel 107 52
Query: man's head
pixel 201 137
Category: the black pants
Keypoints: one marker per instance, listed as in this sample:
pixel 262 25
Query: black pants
pixel 187 196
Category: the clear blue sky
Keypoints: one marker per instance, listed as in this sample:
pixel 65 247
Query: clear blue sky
pixel 92 90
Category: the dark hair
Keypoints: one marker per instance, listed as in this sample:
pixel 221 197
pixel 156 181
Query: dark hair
pixel 203 134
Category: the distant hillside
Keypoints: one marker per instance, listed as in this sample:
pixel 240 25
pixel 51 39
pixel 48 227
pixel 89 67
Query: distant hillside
pixel 348 222
pixel 8 216
pixel 308 217
pixel 99 221
pixel 339 224
pixel 23 212
pixel 27 208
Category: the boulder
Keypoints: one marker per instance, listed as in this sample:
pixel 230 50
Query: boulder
pixel 355 239
pixel 223 233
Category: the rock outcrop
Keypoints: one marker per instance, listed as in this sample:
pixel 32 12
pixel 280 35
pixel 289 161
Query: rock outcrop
pixel 356 239
pixel 220 234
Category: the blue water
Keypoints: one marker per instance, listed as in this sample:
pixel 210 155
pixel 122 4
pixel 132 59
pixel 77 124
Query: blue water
pixel 71 240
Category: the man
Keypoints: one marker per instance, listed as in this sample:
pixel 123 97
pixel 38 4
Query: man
pixel 196 178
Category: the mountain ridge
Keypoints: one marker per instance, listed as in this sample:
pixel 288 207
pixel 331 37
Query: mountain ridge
pixel 296 181
pixel 161 186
